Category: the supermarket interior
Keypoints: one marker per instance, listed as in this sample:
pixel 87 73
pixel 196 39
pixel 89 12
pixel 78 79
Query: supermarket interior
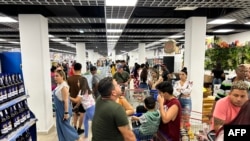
pixel 200 47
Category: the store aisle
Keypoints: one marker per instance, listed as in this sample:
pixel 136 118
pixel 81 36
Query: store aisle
pixel 52 136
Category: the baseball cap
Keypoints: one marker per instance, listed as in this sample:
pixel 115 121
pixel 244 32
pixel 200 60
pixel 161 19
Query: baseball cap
pixel 119 66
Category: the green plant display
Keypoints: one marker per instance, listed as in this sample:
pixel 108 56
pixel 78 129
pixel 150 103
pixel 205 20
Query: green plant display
pixel 229 57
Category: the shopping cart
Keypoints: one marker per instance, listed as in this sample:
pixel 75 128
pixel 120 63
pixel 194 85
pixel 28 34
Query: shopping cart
pixel 136 96
pixel 197 129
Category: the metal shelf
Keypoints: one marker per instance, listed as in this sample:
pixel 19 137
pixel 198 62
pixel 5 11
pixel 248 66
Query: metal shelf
pixel 19 131
pixel 13 101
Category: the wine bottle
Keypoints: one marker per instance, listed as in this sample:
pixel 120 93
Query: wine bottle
pixel 3 124
pixel 9 79
pixel 1 96
pixel 8 120
pixel 17 119
pixel 5 95
pixel 5 80
pixel 28 136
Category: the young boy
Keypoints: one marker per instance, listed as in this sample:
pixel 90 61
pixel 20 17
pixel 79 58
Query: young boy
pixel 149 121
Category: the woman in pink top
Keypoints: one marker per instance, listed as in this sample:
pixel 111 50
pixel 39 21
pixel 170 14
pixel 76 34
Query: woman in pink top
pixel 88 102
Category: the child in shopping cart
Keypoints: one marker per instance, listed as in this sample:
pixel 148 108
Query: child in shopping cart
pixel 149 121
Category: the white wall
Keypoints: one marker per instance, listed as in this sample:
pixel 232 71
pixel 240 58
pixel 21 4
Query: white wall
pixel 241 37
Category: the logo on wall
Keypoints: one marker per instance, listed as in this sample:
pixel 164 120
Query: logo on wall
pixel 170 46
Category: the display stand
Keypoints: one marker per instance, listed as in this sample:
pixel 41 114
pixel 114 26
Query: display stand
pixel 17 122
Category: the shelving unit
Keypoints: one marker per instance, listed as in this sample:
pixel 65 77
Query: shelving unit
pixel 13 101
pixel 20 130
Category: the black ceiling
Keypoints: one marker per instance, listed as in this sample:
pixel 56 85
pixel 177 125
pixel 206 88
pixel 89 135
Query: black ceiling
pixel 149 20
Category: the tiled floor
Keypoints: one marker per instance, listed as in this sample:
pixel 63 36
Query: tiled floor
pixel 52 135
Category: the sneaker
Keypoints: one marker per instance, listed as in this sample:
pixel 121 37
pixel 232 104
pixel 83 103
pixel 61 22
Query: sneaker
pixel 80 131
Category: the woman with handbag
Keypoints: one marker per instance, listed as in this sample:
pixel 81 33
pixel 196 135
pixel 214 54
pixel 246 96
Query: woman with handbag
pixel 88 102
pixel 182 89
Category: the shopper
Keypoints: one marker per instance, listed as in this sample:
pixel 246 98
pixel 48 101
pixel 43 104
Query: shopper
pixel 122 77
pixel 144 79
pixel 170 110
pixel 149 121
pixel 74 90
pixel 95 81
pixel 242 118
pixel 65 131
pixel 228 107
pixel 88 102
pixel 126 105
pixel 110 122
pixel 218 74
pixel 52 75
pixel 182 90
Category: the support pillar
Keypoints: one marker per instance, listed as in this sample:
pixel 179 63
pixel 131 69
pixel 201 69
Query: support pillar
pixel 81 55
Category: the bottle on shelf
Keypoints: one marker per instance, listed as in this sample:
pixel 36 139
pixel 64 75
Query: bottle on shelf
pixel 28 136
pixel 10 80
pixel 5 80
pixel 16 118
pixel 1 90
pixel 8 120
pixel 5 95
pixel 3 124
pixel 22 114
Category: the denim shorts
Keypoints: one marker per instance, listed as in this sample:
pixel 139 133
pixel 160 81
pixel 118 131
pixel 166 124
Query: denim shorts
pixel 186 105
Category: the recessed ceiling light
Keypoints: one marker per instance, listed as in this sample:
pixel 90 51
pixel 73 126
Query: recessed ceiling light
pixel 221 21
pixel 2 40
pixel 176 36
pixel 51 36
pixel 185 8
pixel 121 2
pixel 57 40
pixel 223 30
pixel 113 36
pixel 14 42
pixel 81 31
pixel 114 30
pixel 117 21
pixel 7 20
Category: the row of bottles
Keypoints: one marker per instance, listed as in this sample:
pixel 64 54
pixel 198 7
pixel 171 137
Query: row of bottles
pixel 13 117
pixel 11 86
pixel 26 136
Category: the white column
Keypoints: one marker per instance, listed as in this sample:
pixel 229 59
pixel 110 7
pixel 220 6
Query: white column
pixel 91 56
pixel 113 55
pixel 141 53
pixel 194 56
pixel 36 67
pixel 81 55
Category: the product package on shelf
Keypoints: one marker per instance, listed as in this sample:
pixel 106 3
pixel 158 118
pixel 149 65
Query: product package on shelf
pixel 16 119
pixel 11 87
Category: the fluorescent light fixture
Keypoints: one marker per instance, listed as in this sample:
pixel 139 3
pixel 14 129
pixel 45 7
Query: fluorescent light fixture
pixel 117 21
pixel 114 30
pixel 57 40
pixel 81 31
pixel 176 36
pixel 2 40
pixel 65 42
pixel 247 23
pixel 7 20
pixel 51 36
pixel 121 2
pixel 185 8
pixel 14 42
pixel 223 30
pixel 221 21
pixel 182 40
pixel 113 36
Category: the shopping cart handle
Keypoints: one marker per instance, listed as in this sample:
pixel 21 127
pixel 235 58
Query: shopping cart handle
pixel 137 114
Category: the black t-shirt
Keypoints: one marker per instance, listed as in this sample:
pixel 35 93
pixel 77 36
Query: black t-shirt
pixel 217 73
pixel 165 75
